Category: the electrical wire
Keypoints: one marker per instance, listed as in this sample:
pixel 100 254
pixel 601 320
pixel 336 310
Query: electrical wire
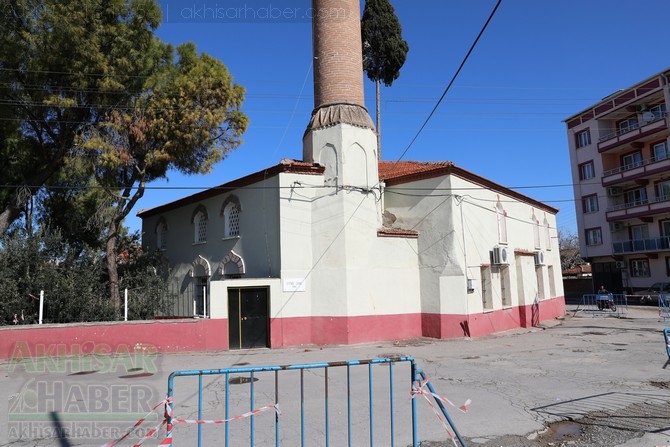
pixel 446 90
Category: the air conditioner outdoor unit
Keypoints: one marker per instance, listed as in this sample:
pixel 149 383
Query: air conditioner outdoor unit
pixel 616 226
pixel 613 191
pixel 620 265
pixel 539 258
pixel 502 255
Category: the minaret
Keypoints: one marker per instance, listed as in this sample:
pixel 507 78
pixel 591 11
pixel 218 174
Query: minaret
pixel 345 214
pixel 339 131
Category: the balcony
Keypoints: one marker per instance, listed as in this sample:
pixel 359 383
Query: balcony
pixel 641 245
pixel 638 208
pixel 633 132
pixel 636 170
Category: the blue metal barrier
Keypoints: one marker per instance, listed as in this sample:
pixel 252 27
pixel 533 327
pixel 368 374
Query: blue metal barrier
pixel 664 306
pixel 666 337
pixel 603 304
pixel 315 400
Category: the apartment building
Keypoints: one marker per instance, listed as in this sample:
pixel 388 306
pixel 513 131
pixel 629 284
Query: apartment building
pixel 620 162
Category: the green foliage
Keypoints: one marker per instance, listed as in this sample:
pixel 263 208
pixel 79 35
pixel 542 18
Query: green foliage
pixel 384 50
pixel 186 118
pixel 145 275
pixel 74 205
pixel 74 281
pixel 98 107
pixel 63 64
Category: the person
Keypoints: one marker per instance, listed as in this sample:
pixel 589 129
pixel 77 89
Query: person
pixel 605 302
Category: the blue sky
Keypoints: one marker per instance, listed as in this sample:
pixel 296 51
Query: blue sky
pixel 538 62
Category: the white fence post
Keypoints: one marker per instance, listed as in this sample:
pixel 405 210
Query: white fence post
pixel 125 297
pixel 41 306
pixel 204 301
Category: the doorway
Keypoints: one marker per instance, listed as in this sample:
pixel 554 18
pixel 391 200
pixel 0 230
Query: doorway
pixel 248 318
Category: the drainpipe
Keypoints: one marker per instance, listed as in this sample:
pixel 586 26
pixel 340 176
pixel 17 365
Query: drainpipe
pixel 459 202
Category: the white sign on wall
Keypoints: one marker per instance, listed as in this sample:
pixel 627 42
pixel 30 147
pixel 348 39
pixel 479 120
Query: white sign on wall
pixel 294 285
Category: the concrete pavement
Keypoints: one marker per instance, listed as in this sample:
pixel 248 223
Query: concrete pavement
pixel 518 383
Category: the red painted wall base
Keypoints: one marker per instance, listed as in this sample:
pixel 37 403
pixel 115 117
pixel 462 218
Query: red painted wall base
pixel 108 338
pixel 212 335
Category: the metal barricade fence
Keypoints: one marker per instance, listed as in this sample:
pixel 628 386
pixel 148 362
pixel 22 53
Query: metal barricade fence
pixel 664 306
pixel 603 304
pixel 666 338
pixel 359 402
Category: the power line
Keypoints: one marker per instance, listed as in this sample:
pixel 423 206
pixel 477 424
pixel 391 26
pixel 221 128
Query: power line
pixel 432 112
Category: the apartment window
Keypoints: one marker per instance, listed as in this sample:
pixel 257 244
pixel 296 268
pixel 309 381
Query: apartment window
pixel 665 228
pixel 487 297
pixel 662 190
pixel 583 138
pixel 667 266
pixel 161 234
pixel 628 124
pixel 658 110
pixel 501 215
pixel 639 268
pixel 594 236
pixel 660 150
pixel 636 197
pixel 590 203
pixel 639 234
pixel 200 225
pixel 586 171
pixel 665 234
pixel 632 160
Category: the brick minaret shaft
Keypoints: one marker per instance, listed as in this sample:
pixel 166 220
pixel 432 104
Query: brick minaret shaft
pixel 338 60
pixel 338 65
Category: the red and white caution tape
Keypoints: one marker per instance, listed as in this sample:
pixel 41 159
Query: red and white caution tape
pixel 234 418
pixel 422 390
pixel 175 420
pixel 151 433
pixel 138 423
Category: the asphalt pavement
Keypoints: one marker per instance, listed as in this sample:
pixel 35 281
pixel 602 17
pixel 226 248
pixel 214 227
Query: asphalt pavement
pixel 610 369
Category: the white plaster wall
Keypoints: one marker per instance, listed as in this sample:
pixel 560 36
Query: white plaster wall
pixel 296 197
pixel 257 243
pixel 458 230
pixel 354 272
pixel 219 292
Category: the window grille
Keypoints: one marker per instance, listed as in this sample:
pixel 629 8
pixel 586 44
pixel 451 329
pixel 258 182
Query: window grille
pixel 200 227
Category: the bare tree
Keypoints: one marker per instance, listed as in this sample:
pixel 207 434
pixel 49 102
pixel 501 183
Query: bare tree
pixel 568 245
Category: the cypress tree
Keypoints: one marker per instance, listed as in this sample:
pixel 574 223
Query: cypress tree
pixel 384 50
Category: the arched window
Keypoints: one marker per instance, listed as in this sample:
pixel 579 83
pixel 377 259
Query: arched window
pixel 547 233
pixel 231 216
pixel 161 234
pixel 536 230
pixel 199 221
pixel 232 220
pixel 501 214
